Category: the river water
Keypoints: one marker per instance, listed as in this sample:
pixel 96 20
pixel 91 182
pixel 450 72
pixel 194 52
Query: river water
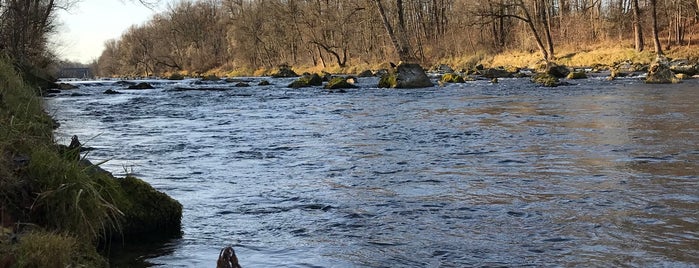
pixel 596 173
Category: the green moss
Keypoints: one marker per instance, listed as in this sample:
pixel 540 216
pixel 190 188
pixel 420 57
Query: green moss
pixel 148 212
pixel 577 75
pixel 307 81
pixel 339 83
pixel 388 81
pixel 452 78
pixel 545 79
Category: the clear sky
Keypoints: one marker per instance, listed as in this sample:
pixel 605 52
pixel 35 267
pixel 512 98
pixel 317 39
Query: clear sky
pixel 86 26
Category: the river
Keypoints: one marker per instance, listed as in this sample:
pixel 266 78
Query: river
pixel 597 173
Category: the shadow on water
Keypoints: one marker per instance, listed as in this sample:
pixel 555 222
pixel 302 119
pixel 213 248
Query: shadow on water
pixel 594 174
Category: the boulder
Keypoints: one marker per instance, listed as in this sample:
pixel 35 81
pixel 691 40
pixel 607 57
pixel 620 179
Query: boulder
pixel 65 86
pixel 327 76
pixel 264 83
pixel 242 84
pixel 285 71
pixel 148 213
pixel 307 81
pixel 545 79
pixel 111 92
pixel 558 71
pixel 142 85
pixel 452 78
pixel 366 73
pixel 660 73
pixel 339 83
pixel 576 75
pixel 406 75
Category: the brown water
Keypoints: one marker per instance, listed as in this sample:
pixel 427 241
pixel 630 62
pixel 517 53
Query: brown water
pixel 594 174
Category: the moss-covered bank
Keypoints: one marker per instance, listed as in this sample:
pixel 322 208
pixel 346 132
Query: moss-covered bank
pixel 55 208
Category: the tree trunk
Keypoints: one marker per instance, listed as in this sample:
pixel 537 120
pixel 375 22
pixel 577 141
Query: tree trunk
pixel 654 19
pixel 637 30
pixel 400 43
pixel 528 19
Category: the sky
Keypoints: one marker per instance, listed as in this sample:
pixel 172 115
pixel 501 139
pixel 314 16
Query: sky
pixel 85 27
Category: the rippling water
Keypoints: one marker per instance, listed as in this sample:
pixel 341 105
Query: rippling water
pixel 477 174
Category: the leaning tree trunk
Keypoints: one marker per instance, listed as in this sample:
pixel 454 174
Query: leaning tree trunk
pixel 399 40
pixel 539 43
pixel 637 30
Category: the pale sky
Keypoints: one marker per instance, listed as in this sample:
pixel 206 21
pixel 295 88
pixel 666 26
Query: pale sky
pixel 86 27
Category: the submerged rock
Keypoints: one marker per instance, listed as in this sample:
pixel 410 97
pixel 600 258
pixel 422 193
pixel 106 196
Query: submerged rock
pixel 242 84
pixel 406 75
pixel 142 85
pixel 264 83
pixel 111 92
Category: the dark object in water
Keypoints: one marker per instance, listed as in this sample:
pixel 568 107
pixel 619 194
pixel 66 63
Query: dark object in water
pixel 227 258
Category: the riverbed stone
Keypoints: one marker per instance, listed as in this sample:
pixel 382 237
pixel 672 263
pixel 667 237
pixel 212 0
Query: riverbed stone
pixel 452 78
pixel 660 73
pixel 284 71
pixel 406 75
pixel 142 85
pixel 545 79
pixel 339 83
pixel 307 81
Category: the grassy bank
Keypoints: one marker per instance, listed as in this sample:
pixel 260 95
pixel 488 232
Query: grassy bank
pixel 56 208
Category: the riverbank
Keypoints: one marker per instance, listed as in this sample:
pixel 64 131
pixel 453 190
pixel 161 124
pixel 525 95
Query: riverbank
pixel 604 55
pixel 56 207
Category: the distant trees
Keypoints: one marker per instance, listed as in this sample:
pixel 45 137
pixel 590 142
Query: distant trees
pixel 201 35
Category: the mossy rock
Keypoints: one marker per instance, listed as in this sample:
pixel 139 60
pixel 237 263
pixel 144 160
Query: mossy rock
pixel 452 78
pixel 406 75
pixel 339 83
pixel 307 81
pixel 284 71
pixel 148 213
pixel 577 75
pixel 545 79
pixel 660 73
pixel 388 81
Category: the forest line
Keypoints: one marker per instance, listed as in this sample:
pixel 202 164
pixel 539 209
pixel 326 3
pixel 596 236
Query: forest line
pixel 229 36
